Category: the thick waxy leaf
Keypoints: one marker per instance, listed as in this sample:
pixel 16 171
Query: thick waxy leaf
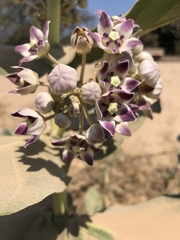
pixel 93 201
pixel 34 222
pixel 152 14
pixel 28 175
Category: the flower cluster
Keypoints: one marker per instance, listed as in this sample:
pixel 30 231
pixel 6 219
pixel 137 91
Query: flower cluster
pixel 126 79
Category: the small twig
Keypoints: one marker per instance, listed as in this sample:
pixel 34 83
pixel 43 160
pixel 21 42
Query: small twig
pixel 52 59
pixel 85 111
pixel 82 67
pixel 43 84
pixel 49 117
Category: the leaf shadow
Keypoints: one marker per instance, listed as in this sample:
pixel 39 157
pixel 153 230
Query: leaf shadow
pixel 39 222
pixel 36 164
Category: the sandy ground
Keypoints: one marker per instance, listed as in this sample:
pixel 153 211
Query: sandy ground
pixel 156 139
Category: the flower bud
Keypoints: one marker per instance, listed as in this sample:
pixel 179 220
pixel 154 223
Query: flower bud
pixel 90 92
pixel 137 49
pixel 143 56
pixel 44 102
pixel 62 79
pixel 26 81
pixel 149 71
pixel 80 41
pixel 156 91
pixel 62 120
pixel 74 110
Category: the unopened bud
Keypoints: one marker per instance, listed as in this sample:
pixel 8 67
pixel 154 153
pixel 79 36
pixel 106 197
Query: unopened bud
pixel 80 41
pixel 137 49
pixel 143 56
pixel 62 120
pixel 44 102
pixel 90 92
pixel 156 91
pixel 149 71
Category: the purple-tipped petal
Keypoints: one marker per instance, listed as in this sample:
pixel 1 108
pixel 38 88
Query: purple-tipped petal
pixel 14 92
pixel 129 84
pixel 96 39
pixel 109 126
pixel 105 24
pixel 25 90
pixel 46 30
pixel 28 59
pixel 67 156
pixel 125 96
pixel 88 157
pixel 60 142
pixel 104 69
pixel 125 115
pixel 23 49
pixel 123 129
pixel 29 76
pixel 21 129
pixel 95 134
pixel 31 140
pixel 130 44
pixel 125 28
pixel 122 67
pixel 35 34
pixel 37 127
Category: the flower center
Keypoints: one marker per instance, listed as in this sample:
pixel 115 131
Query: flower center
pixel 76 149
pixel 113 108
pixel 115 81
pixel 114 35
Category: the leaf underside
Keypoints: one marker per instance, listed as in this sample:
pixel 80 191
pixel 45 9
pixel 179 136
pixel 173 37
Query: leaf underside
pixel 28 175
pixel 153 14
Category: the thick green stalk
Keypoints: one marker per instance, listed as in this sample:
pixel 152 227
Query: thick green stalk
pixel 53 15
pixel 60 203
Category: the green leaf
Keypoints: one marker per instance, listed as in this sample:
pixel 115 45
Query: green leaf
pixel 3 71
pixel 28 175
pixel 34 222
pixel 93 201
pixel 96 233
pixel 81 228
pixel 152 14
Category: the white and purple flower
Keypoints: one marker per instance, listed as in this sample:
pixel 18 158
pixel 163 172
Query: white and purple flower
pixel 114 38
pixel 38 46
pixel 111 108
pixel 34 124
pixel 74 146
pixel 26 81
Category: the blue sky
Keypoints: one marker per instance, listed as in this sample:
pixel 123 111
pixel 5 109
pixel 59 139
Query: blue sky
pixel 111 7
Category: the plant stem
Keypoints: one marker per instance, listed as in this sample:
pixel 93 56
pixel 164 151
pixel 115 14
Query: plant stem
pixel 85 110
pixel 83 64
pixel 60 203
pixel 49 117
pixel 52 59
pixel 81 122
pixel 43 84
pixel 53 15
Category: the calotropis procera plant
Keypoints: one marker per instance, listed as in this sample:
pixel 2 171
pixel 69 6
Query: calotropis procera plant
pixel 123 84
